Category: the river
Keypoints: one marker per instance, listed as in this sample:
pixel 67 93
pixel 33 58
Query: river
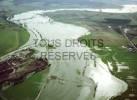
pixel 74 78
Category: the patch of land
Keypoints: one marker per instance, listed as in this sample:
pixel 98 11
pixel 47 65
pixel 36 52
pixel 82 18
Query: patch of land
pixel 12 36
pixel 15 71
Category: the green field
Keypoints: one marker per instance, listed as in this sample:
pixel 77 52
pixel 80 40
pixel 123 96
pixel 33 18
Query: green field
pixel 11 37
pixel 29 89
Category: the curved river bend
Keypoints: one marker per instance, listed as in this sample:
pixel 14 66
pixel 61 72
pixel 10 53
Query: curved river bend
pixel 76 79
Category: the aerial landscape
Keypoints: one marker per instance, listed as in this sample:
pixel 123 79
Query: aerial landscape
pixel 68 49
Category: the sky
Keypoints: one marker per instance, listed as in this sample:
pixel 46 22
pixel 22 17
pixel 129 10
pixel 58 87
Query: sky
pixel 79 1
pixel 46 4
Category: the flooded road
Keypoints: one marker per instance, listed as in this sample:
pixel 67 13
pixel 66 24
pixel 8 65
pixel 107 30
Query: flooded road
pixel 69 78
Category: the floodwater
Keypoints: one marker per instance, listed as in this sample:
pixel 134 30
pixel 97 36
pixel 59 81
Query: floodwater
pixel 70 77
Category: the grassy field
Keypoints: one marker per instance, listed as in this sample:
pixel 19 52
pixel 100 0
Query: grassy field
pixel 29 89
pixel 11 37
